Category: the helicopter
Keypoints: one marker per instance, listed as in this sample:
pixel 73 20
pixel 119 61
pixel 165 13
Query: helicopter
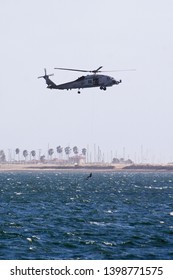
pixel 88 81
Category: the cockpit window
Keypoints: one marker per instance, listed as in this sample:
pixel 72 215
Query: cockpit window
pixel 81 78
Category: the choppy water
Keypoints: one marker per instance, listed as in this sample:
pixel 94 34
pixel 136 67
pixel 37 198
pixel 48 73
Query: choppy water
pixel 61 215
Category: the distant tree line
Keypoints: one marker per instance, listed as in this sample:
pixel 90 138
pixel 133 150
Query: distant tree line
pixel 59 150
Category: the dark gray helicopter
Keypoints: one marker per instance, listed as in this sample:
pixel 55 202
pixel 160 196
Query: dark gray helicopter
pixel 88 81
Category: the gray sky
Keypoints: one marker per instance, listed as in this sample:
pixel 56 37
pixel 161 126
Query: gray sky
pixel 134 118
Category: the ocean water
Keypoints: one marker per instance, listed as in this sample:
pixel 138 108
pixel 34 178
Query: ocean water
pixel 62 215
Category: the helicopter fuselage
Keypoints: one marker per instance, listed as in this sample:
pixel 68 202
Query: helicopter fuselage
pixel 89 81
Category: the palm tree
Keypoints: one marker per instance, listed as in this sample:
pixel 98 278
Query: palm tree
pixel 33 153
pixel 2 156
pixel 75 150
pixel 67 151
pixel 84 150
pixel 25 154
pixel 50 152
pixel 59 150
pixel 42 158
pixel 17 151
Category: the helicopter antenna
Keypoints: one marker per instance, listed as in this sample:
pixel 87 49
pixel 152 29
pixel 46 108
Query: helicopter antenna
pixel 45 75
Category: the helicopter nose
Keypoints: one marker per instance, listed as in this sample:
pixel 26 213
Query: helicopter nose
pixel 116 82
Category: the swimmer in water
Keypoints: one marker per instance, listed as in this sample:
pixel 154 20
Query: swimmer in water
pixel 89 176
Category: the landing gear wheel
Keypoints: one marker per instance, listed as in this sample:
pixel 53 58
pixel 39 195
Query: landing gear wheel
pixel 103 88
pixel 78 92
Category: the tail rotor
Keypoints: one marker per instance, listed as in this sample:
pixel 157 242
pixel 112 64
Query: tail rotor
pixel 45 75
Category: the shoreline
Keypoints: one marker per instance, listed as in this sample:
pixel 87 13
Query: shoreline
pixel 87 168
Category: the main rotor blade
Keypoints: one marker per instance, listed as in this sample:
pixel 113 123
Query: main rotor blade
pixel 80 70
pixel 97 70
pixel 69 69
pixel 119 70
pixel 94 71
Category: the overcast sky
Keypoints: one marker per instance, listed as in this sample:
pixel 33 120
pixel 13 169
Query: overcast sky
pixel 132 119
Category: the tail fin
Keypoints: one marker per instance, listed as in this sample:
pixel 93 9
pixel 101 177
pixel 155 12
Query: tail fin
pixel 49 83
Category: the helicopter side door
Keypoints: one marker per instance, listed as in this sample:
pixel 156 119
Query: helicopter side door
pixel 96 81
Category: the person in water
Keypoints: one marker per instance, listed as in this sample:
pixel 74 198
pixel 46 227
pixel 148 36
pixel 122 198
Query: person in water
pixel 89 176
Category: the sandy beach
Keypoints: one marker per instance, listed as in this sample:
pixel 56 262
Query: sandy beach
pixel 87 167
